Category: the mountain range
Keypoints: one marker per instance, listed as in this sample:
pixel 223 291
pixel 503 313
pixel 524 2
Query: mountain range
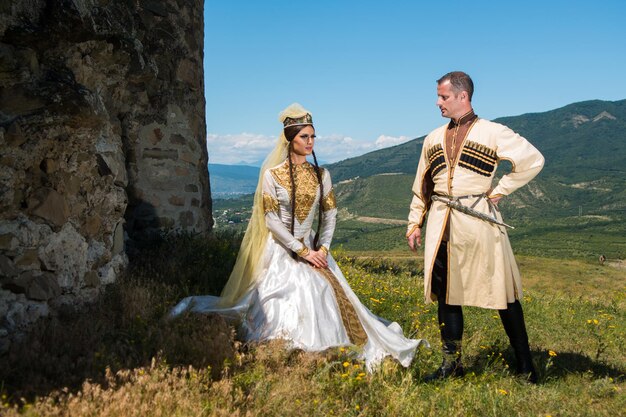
pixel 581 142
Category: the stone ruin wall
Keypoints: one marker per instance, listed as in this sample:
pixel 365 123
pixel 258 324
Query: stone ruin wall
pixel 102 137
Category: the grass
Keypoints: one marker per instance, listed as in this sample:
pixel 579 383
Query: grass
pixel 120 358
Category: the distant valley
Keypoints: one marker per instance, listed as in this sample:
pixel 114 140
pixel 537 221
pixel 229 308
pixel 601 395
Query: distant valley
pixel 230 181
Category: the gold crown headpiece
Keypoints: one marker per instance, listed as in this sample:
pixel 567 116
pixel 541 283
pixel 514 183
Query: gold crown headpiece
pixel 304 120
pixel 295 115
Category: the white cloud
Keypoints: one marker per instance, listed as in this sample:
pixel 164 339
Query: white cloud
pixel 335 147
pixel 384 141
pixel 246 148
pixel 250 148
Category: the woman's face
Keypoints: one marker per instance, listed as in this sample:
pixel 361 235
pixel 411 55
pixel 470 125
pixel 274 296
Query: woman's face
pixel 303 143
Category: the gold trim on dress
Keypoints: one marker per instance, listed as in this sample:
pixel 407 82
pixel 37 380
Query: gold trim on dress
pixel 352 324
pixel 329 202
pixel 307 186
pixel 270 204
pixel 303 252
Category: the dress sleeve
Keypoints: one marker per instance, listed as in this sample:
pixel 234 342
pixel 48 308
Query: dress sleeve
pixel 271 207
pixel 419 206
pixel 527 161
pixel 329 213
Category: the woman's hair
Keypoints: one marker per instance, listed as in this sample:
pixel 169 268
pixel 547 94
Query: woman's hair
pixel 290 133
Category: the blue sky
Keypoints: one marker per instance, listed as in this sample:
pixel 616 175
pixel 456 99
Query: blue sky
pixel 367 69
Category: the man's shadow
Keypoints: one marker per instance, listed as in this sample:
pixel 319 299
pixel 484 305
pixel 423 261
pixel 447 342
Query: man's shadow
pixel 567 363
pixel 549 367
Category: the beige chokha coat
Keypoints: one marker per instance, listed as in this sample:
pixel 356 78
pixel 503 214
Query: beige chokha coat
pixel 482 270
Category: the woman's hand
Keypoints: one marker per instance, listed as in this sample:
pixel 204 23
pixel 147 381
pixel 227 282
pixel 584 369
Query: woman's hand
pixel 317 258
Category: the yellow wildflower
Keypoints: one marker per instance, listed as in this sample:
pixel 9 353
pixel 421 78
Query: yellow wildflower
pixel 502 391
pixel 346 364
pixel 551 353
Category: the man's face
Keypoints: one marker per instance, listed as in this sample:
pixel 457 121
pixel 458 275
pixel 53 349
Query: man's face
pixel 451 105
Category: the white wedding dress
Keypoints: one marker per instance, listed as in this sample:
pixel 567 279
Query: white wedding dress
pixel 313 309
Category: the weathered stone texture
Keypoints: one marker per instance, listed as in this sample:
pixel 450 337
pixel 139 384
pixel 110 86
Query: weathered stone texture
pixel 102 134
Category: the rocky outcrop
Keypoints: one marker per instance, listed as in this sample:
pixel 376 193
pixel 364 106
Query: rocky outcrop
pixel 579 119
pixel 102 137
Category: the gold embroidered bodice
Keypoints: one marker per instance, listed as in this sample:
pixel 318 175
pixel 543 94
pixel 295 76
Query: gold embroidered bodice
pixel 277 205
pixel 307 186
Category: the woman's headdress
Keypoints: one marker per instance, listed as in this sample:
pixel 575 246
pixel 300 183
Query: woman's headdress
pixel 295 115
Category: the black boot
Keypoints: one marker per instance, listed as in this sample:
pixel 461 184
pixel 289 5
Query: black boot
pixel 451 365
pixel 513 322
pixel 451 327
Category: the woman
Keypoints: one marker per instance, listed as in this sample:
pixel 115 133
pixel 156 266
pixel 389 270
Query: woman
pixel 285 284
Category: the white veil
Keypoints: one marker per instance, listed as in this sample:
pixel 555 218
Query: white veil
pixel 252 247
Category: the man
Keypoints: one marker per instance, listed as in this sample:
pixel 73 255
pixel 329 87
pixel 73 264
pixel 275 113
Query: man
pixel 467 259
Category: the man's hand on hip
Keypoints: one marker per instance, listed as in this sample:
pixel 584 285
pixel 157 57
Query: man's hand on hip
pixel 494 200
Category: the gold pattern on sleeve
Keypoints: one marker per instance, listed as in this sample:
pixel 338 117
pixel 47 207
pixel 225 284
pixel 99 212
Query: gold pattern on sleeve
pixel 329 202
pixel 307 187
pixel 303 252
pixel 350 319
pixel 270 204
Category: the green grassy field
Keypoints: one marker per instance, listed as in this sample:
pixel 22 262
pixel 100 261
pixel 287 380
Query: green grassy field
pixel 120 358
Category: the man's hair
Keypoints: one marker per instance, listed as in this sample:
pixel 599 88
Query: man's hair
pixel 460 82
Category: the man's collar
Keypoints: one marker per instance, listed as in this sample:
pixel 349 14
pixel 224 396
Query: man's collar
pixel 463 119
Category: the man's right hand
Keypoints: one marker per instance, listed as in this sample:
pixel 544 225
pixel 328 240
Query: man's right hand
pixel 415 239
